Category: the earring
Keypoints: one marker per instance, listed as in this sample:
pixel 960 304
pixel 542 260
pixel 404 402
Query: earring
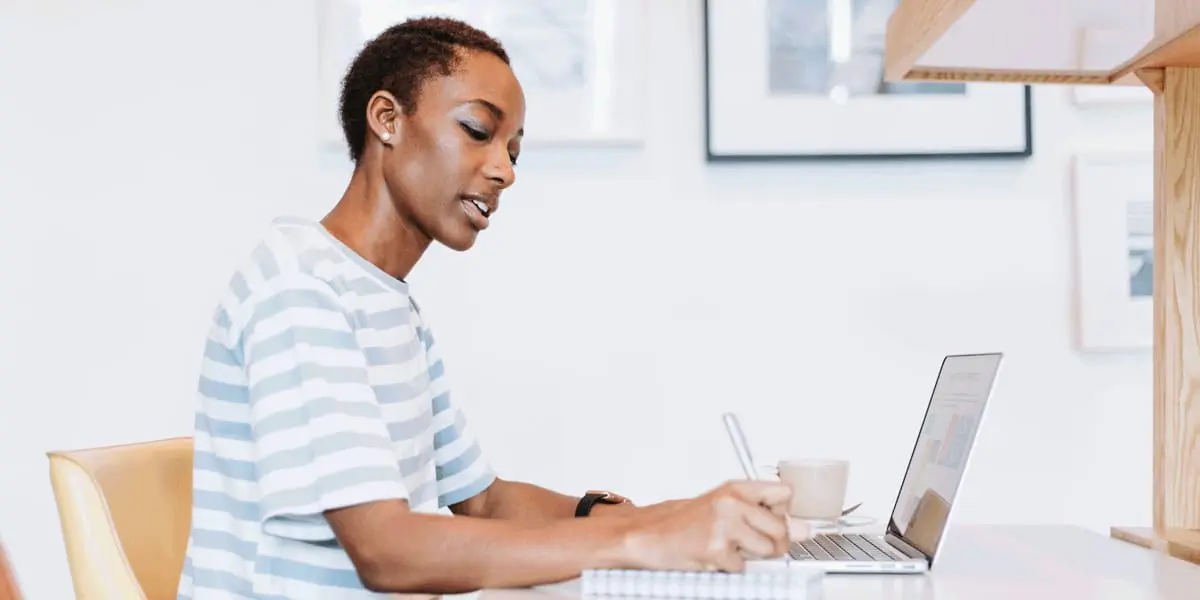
pixel 385 136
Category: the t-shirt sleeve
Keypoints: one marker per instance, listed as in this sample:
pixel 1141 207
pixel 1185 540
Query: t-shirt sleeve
pixel 462 470
pixel 320 440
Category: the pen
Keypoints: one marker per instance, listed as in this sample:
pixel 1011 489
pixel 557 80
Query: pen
pixel 734 428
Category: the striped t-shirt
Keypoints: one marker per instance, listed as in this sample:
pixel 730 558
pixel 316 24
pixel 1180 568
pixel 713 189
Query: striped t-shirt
pixel 321 387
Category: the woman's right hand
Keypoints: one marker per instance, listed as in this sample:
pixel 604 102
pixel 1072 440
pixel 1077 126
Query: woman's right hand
pixel 717 531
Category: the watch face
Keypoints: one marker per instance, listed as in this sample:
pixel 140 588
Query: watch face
pixel 609 497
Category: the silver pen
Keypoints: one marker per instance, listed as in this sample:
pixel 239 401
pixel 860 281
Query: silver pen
pixel 734 428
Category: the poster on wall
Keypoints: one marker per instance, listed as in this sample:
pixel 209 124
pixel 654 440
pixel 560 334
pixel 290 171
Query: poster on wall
pixel 1114 253
pixel 579 62
pixel 803 79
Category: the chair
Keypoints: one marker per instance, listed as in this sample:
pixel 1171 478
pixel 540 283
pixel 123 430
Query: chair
pixel 125 513
pixel 8 580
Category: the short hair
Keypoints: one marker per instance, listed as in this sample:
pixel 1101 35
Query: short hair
pixel 401 60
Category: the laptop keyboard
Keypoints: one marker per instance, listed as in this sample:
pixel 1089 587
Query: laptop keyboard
pixel 837 546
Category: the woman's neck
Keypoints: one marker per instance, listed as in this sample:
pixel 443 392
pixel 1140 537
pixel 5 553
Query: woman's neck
pixel 366 220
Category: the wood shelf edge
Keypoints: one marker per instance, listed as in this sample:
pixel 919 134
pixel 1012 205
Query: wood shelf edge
pixel 1182 50
pixel 913 28
pixel 1179 543
pixel 955 74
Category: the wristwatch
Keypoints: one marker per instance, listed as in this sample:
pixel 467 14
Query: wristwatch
pixel 592 497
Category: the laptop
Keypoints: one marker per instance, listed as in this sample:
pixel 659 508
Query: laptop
pixel 935 469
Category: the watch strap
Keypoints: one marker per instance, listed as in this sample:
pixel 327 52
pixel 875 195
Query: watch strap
pixel 590 499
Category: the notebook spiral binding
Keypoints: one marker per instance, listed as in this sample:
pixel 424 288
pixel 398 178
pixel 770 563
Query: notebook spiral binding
pixel 762 585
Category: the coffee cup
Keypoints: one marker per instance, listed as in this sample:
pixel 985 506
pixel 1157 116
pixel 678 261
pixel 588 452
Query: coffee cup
pixel 818 487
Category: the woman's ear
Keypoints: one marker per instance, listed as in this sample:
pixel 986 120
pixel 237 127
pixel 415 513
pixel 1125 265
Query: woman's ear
pixel 383 117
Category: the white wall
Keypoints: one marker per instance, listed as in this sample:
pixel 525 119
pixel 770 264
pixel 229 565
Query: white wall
pixel 618 303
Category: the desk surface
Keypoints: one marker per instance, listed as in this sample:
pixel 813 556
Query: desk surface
pixel 1003 563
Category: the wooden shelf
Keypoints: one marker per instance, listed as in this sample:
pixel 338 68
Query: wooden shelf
pixel 1155 43
pixel 1037 41
pixel 1180 543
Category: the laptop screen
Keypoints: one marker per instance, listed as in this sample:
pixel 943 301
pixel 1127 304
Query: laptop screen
pixel 939 457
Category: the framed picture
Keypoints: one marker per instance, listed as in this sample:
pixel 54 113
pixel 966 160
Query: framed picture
pixel 803 79
pixel 579 61
pixel 1114 250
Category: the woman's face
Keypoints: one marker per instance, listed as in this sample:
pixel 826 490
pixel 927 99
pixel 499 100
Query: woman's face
pixel 446 163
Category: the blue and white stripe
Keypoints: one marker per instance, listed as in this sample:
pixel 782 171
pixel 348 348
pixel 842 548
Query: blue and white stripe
pixel 320 387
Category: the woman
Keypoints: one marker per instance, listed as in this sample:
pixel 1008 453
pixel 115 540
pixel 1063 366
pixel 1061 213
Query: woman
pixel 326 436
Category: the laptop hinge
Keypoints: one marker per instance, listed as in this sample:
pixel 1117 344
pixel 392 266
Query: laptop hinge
pixel 906 547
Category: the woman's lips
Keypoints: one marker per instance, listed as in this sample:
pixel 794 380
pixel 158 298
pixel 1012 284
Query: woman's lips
pixel 477 212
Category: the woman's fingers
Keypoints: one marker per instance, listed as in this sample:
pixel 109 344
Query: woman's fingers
pixel 771 527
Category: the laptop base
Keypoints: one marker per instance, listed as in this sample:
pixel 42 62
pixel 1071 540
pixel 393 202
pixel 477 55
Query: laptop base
pixel 857 553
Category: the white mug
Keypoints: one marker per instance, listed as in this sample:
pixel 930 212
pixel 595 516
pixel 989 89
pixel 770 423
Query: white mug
pixel 818 487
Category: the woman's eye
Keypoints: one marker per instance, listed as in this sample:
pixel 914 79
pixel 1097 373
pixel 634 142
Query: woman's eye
pixel 477 134
pixel 513 159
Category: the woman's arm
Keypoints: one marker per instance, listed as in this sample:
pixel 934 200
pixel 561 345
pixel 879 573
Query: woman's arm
pixel 398 551
pixel 505 499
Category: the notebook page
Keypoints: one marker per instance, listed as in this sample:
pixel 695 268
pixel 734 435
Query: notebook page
pixel 790 584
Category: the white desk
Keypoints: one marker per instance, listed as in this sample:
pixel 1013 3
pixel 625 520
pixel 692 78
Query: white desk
pixel 1004 563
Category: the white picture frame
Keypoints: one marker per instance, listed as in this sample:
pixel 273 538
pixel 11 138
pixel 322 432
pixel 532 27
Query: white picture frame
pixel 584 79
pixel 803 79
pixel 1113 210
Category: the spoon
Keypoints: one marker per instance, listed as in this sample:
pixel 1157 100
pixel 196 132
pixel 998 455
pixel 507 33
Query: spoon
pixel 851 509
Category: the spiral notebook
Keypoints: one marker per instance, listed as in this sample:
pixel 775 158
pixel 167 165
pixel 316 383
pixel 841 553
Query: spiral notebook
pixel 785 584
